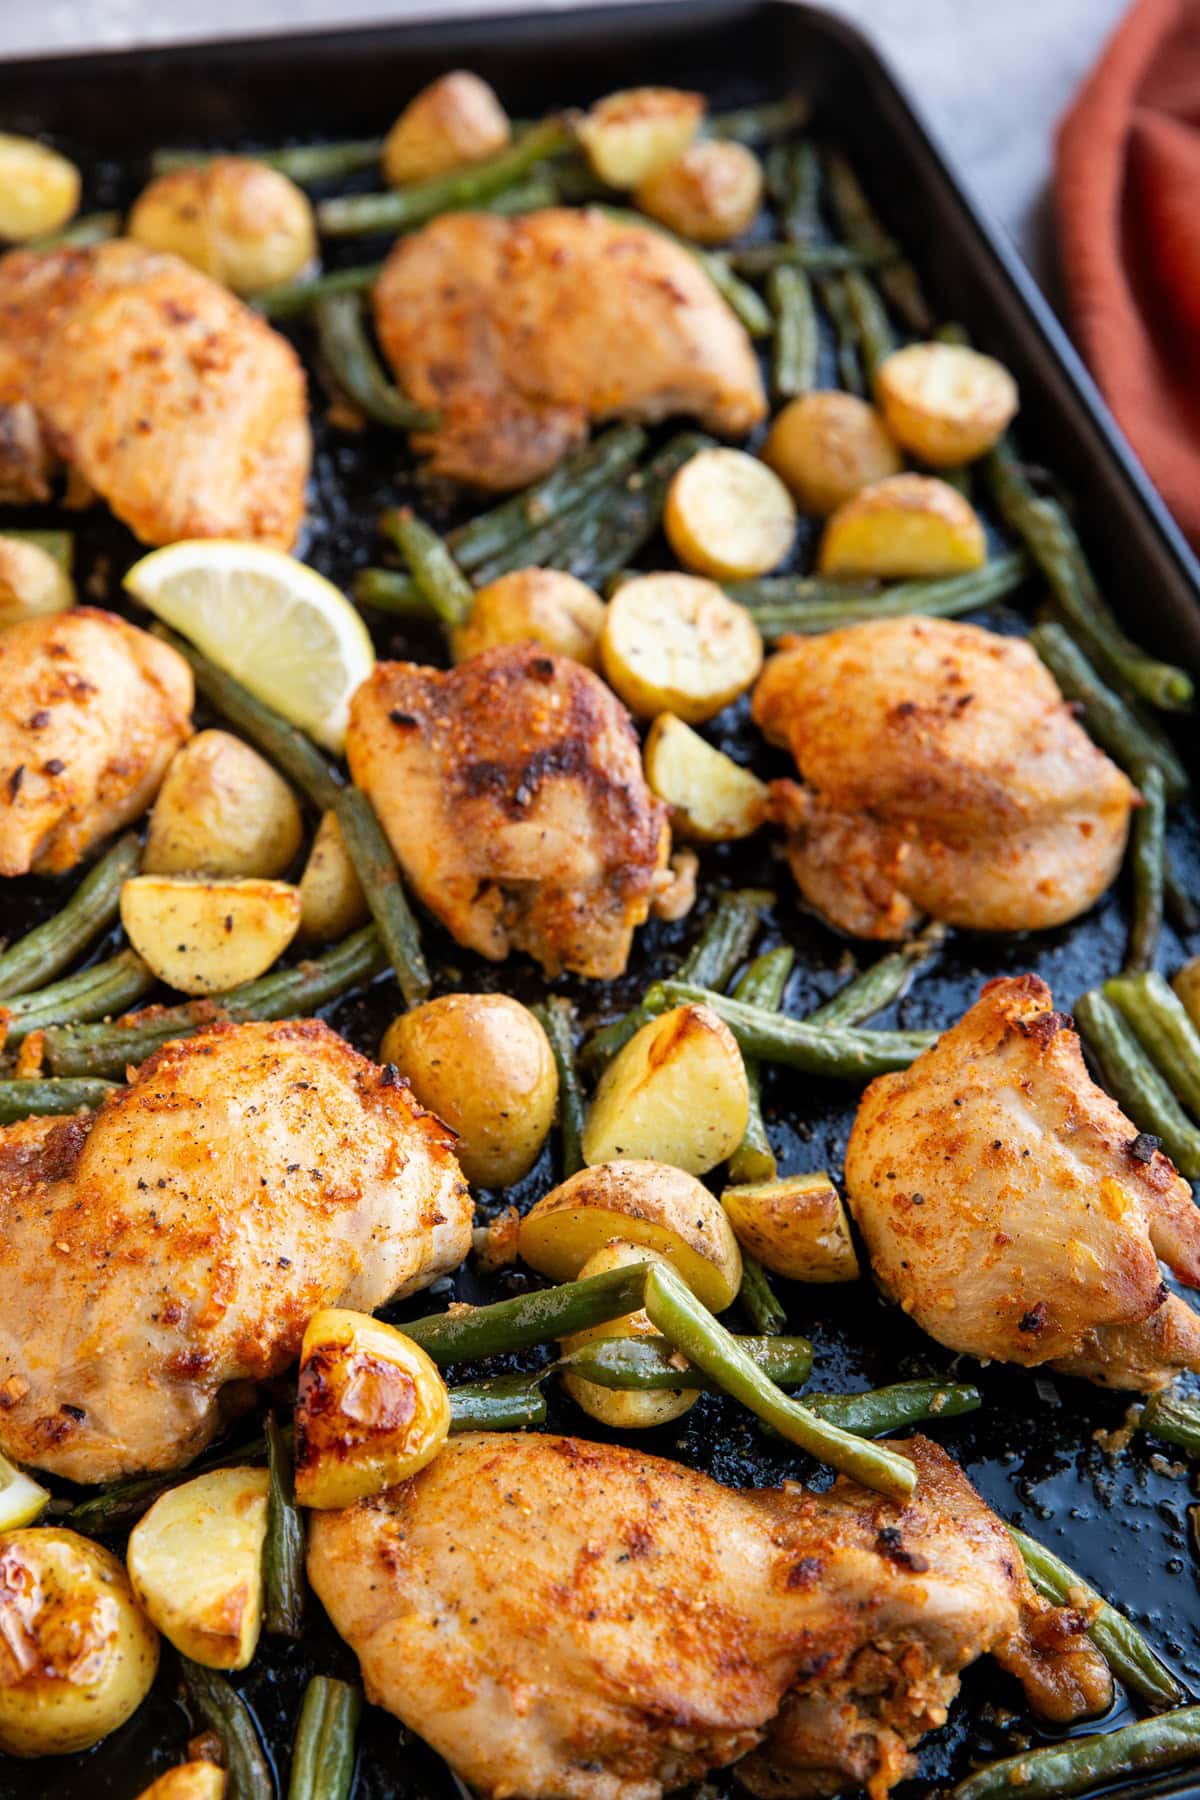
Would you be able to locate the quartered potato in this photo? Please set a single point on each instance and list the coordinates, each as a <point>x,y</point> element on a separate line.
<point>827,446</point>
<point>675,1093</point>
<point>205,936</point>
<point>77,1654</point>
<point>648,1203</point>
<point>195,1561</point>
<point>946,403</point>
<point>796,1227</point>
<point>909,526</point>
<point>676,643</point>
<point>455,120</point>
<point>371,1409</point>
<point>727,515</point>
<point>222,810</point>
<point>624,1409</point>
<point>540,606</point>
<point>39,189</point>
<point>32,582</point>
<point>239,221</point>
<point>711,797</point>
<point>630,135</point>
<point>332,901</point>
<point>710,194</point>
<point>190,1781</point>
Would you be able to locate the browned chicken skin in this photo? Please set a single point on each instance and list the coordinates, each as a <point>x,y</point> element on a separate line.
<point>944,773</point>
<point>173,400</point>
<point>91,712</point>
<point>518,332</point>
<point>584,1622</point>
<point>178,1240</point>
<point>512,791</point>
<point>1013,1210</point>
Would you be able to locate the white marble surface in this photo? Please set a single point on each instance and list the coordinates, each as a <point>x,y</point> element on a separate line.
<point>991,77</point>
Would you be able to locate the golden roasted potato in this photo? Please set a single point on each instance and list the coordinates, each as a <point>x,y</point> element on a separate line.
<point>676,643</point>
<point>195,1561</point>
<point>711,797</point>
<point>332,901</point>
<point>483,1064</point>
<point>238,220</point>
<point>31,582</point>
<point>455,120</point>
<point>77,1654</point>
<point>203,937</point>
<point>1186,982</point>
<point>371,1409</point>
<point>190,1781</point>
<point>675,1093</point>
<point>39,189</point>
<point>827,446</point>
<point>946,403</point>
<point>710,194</point>
<point>624,1409</point>
<point>631,134</point>
<point>222,810</point>
<point>907,527</point>
<point>795,1226</point>
<point>547,606</point>
<point>648,1203</point>
<point>728,516</point>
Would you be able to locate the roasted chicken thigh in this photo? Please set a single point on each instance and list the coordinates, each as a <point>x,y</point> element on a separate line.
<point>1014,1211</point>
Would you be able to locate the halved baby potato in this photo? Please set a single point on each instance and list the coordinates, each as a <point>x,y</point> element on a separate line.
<point>710,194</point>
<point>222,810</point>
<point>32,582</point>
<point>195,1561</point>
<point>675,1093</point>
<point>203,937</point>
<point>371,1409</point>
<point>39,189</point>
<point>796,1227</point>
<point>630,135</point>
<point>239,221</point>
<point>456,120</point>
<point>946,403</point>
<point>711,797</point>
<point>727,515</point>
<point>190,1781</point>
<point>827,446</point>
<point>332,901</point>
<point>907,527</point>
<point>540,606</point>
<point>648,1203</point>
<point>676,643</point>
<point>624,1409</point>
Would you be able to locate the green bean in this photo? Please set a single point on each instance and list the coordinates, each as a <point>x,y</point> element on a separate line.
<point>284,994</point>
<point>1056,549</point>
<point>812,259</point>
<point>121,1504</point>
<point>557,1018</point>
<point>1135,1083</point>
<point>534,1318</point>
<point>1147,852</point>
<point>556,542</point>
<point>776,593</point>
<point>1113,723</point>
<point>323,1754</point>
<point>1174,1420</point>
<point>763,985</point>
<point>391,592</point>
<point>794,185</point>
<point>284,1585</point>
<point>506,1403</point>
<point>347,348</point>
<point>1117,1638</point>
<point>836,1052</point>
<point>885,981</point>
<point>1080,1764</point>
<point>434,569</point>
<point>794,363</point>
<point>762,123</point>
<point>89,228</point>
<point>944,598</point>
<point>876,340</point>
<point>96,993</point>
<point>648,1364</point>
<point>758,1299</point>
<point>895,1408</point>
<point>40,1096</point>
<point>352,215</point>
<point>292,299</point>
<point>45,951</point>
<point>862,231</point>
<point>832,293</point>
<point>58,544</point>
<point>222,1709</point>
<point>379,873</point>
<point>637,512</point>
<point>299,162</point>
<point>679,1316</point>
<point>1166,1033</point>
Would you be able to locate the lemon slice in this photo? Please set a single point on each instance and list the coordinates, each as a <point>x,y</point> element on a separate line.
<point>21,1499</point>
<point>283,630</point>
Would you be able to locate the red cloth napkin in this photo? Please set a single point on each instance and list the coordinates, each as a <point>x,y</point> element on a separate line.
<point>1128,199</point>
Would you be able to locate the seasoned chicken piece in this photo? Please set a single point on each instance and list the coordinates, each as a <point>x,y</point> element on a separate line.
<point>519,331</point>
<point>945,774</point>
<point>91,712</point>
<point>157,1255</point>
<point>1012,1209</point>
<point>580,1621</point>
<point>512,791</point>
<point>173,400</point>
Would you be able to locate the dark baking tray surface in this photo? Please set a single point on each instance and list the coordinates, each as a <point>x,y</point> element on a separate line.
<point>1033,1450</point>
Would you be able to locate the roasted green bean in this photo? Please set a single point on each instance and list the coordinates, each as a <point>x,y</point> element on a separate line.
<point>759,1301</point>
<point>1083,1763</point>
<point>505,1403</point>
<point>794,184</point>
<point>1163,1028</point>
<point>805,605</point>
<point>433,568</point>
<point>45,952</point>
<point>896,1408</point>
<point>876,340</point>
<point>647,1364</point>
<point>40,1094</point>
<point>1174,1420</point>
<point>556,1016</point>
<point>813,259</point>
<point>377,869</point>
<point>284,1586</point>
<point>219,1706</point>
<point>1148,853</point>
<point>324,1752</point>
<point>832,292</point>
<point>887,980</point>
<point>350,355</point>
<point>1129,740</point>
<point>762,123</point>
<point>100,992</point>
<point>837,1052</point>
<point>292,299</point>
<point>1135,1083</point>
<point>299,162</point>
<point>763,985</point>
<point>794,358</point>
<point>534,1318</point>
<point>391,592</point>
<point>862,231</point>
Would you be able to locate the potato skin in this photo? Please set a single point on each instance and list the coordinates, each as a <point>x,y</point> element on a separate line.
<point>946,403</point>
<point>632,133</point>
<point>907,527</point>
<point>675,1093</point>
<point>332,902</point>
<point>710,194</point>
<point>239,221</point>
<point>545,606</point>
<point>795,1226</point>
<point>455,120</point>
<point>39,189</point>
<point>203,935</point>
<point>628,1411</point>
<point>484,1065</point>
<point>90,1653</point>
<point>222,810</point>
<point>826,446</point>
<point>195,1562</point>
